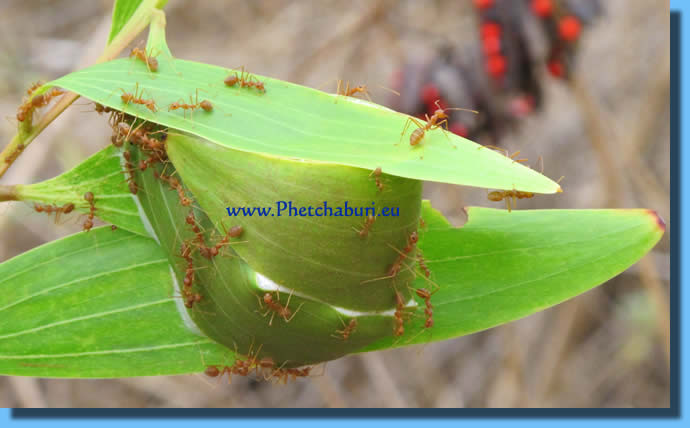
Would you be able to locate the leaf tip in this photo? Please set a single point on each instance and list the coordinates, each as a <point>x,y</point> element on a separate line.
<point>661,224</point>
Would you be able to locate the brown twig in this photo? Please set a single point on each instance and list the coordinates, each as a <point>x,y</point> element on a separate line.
<point>26,135</point>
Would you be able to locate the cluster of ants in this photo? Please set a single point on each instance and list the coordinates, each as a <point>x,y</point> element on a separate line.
<point>393,271</point>
<point>199,243</point>
<point>264,368</point>
<point>26,109</point>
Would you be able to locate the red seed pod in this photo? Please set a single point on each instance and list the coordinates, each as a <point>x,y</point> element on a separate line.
<point>483,4</point>
<point>491,46</point>
<point>556,68</point>
<point>569,28</point>
<point>542,8</point>
<point>490,29</point>
<point>496,66</point>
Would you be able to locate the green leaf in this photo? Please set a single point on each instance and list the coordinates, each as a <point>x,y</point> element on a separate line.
<point>124,11</point>
<point>433,219</point>
<point>297,122</point>
<point>101,174</point>
<point>503,266</point>
<point>97,304</point>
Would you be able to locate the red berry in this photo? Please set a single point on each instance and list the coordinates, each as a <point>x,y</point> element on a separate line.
<point>483,4</point>
<point>496,65</point>
<point>542,8</point>
<point>569,28</point>
<point>491,46</point>
<point>490,29</point>
<point>556,68</point>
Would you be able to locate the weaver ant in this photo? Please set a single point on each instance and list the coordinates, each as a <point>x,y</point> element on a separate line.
<point>129,170</point>
<point>424,294</point>
<point>499,195</point>
<point>245,82</point>
<point>15,154</point>
<point>422,264</point>
<point>368,223</point>
<point>394,269</point>
<point>275,307</point>
<point>437,120</point>
<point>149,60</point>
<point>377,176</point>
<point>398,315</point>
<point>26,109</point>
<point>348,330</point>
<point>193,105</point>
<point>136,99</point>
<point>49,209</point>
<point>88,223</point>
<point>350,92</point>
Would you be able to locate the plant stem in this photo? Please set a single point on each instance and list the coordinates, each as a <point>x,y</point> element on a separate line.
<point>7,193</point>
<point>26,134</point>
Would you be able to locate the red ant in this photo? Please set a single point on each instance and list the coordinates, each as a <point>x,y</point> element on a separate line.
<point>234,232</point>
<point>205,105</point>
<point>399,308</point>
<point>499,195</point>
<point>350,92</point>
<point>394,269</point>
<point>88,223</point>
<point>422,264</point>
<point>26,109</point>
<point>15,154</point>
<point>277,308</point>
<point>129,170</point>
<point>423,293</point>
<point>100,108</point>
<point>348,330</point>
<point>377,174</point>
<point>249,82</point>
<point>242,367</point>
<point>368,223</point>
<point>438,119</point>
<point>133,98</point>
<point>49,209</point>
<point>175,184</point>
<point>33,87</point>
<point>284,374</point>
<point>149,60</point>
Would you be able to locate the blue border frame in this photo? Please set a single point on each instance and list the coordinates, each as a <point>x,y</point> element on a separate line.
<point>442,417</point>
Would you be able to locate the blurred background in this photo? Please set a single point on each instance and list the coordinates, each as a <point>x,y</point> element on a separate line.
<point>583,84</point>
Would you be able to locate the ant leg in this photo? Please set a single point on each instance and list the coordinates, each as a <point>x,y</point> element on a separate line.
<point>294,313</point>
<point>440,125</point>
<point>407,124</point>
<point>517,160</point>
